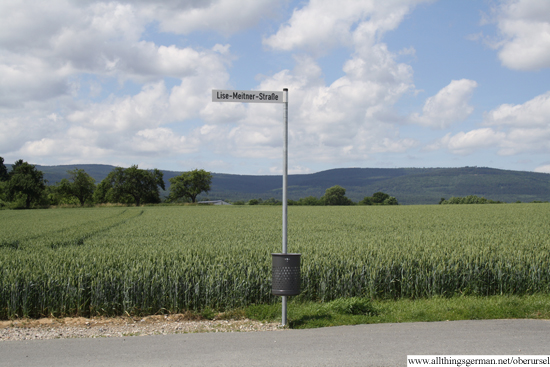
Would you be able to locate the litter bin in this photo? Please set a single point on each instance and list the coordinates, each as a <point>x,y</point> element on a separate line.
<point>285,274</point>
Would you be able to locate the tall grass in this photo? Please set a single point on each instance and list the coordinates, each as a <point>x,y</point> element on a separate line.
<point>112,261</point>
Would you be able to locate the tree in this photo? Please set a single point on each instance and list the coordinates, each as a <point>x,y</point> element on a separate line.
<point>471,199</point>
<point>367,200</point>
<point>309,200</point>
<point>4,176</point>
<point>189,185</point>
<point>130,185</point>
<point>379,197</point>
<point>390,201</point>
<point>81,186</point>
<point>105,191</point>
<point>336,195</point>
<point>272,201</point>
<point>25,183</point>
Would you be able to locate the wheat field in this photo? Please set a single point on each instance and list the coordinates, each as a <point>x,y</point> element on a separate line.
<point>159,259</point>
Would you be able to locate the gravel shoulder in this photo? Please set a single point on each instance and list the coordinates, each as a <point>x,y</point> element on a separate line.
<point>80,327</point>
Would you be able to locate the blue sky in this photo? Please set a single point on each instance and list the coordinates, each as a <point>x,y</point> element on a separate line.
<point>397,83</point>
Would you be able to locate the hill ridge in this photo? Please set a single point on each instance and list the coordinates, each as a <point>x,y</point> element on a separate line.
<point>408,185</point>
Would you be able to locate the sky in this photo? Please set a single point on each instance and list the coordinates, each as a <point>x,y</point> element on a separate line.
<point>382,84</point>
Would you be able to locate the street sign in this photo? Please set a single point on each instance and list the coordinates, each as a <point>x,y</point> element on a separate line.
<point>247,96</point>
<point>252,96</point>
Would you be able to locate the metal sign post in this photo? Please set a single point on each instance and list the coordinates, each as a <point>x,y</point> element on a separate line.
<point>285,187</point>
<point>273,97</point>
<point>285,173</point>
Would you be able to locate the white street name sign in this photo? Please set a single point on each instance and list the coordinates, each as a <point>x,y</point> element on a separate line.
<point>247,96</point>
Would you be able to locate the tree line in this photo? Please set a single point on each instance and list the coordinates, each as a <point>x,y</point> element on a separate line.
<point>473,199</point>
<point>335,195</point>
<point>24,187</point>
<point>470,199</point>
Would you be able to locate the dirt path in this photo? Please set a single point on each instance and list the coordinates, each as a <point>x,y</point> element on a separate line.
<point>80,327</point>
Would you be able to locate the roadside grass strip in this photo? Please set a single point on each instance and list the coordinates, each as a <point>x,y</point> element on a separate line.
<point>354,311</point>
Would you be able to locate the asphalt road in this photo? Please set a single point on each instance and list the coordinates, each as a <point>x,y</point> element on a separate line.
<point>362,345</point>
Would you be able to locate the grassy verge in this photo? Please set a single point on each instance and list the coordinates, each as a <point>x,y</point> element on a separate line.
<point>354,311</point>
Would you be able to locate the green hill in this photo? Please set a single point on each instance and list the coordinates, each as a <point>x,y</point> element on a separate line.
<point>408,185</point>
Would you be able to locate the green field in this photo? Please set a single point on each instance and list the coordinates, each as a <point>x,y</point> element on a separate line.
<point>128,260</point>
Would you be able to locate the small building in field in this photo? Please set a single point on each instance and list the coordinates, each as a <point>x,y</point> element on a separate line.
<point>214,202</point>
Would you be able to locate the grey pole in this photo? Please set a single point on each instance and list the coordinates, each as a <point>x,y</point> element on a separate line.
<point>285,186</point>
<point>285,169</point>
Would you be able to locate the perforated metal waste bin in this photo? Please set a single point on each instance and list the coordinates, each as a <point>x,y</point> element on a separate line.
<point>285,274</point>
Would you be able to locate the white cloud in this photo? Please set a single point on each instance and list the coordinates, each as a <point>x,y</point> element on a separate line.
<point>65,149</point>
<point>45,47</point>
<point>323,24</point>
<point>514,129</point>
<point>526,140</point>
<point>527,125</point>
<point>42,147</point>
<point>525,27</point>
<point>111,131</point>
<point>294,170</point>
<point>533,113</point>
<point>147,108</point>
<point>448,106</point>
<point>347,120</point>
<point>24,79</point>
<point>161,141</point>
<point>25,25</point>
<point>48,51</point>
<point>225,16</point>
<point>543,169</point>
<point>467,143</point>
<point>387,145</point>
<point>507,143</point>
<point>193,96</point>
<point>18,127</point>
<point>74,45</point>
<point>330,123</point>
<point>106,45</point>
